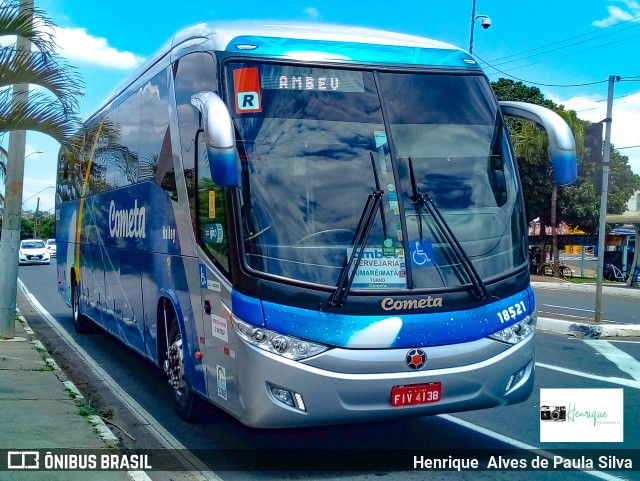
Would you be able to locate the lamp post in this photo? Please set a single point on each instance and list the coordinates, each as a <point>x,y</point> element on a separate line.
<point>486,23</point>
<point>37,193</point>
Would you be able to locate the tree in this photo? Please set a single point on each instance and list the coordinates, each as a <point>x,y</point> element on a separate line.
<point>579,204</point>
<point>52,110</point>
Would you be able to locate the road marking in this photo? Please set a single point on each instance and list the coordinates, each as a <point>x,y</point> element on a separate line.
<point>518,444</point>
<point>201,472</point>
<point>569,308</point>
<point>613,380</point>
<point>623,361</point>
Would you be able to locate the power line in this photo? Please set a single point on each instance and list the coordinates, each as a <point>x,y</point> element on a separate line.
<point>604,100</point>
<point>572,53</point>
<point>538,83</point>
<point>566,39</point>
<point>572,45</point>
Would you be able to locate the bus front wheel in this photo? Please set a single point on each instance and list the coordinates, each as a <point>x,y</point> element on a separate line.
<point>81,323</point>
<point>183,397</point>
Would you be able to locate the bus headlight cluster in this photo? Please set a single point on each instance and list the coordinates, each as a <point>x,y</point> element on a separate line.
<point>518,331</point>
<point>271,341</point>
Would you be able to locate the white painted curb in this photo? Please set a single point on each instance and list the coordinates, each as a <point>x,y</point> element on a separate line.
<point>592,331</point>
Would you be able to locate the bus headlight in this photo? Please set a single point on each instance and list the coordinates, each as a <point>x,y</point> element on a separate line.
<point>286,346</point>
<point>518,331</point>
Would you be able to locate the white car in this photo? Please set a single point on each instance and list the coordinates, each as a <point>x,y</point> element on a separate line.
<point>51,247</point>
<point>33,251</point>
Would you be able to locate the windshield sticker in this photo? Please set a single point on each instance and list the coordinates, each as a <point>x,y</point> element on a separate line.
<point>388,247</point>
<point>246,82</point>
<point>214,233</point>
<point>212,204</point>
<point>282,77</point>
<point>421,253</point>
<point>376,271</point>
<point>381,138</point>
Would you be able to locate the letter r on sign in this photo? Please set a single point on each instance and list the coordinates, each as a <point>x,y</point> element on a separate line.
<point>248,102</point>
<point>246,84</point>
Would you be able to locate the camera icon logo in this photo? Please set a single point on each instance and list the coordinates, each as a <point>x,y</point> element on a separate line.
<point>553,413</point>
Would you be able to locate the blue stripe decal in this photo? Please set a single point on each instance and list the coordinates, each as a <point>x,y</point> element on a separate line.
<point>247,308</point>
<point>394,330</point>
<point>352,52</point>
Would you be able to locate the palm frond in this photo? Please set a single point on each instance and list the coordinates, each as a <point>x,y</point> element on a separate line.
<point>40,113</point>
<point>30,23</point>
<point>45,70</point>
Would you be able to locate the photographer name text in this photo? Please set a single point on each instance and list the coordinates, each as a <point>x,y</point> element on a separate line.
<point>452,463</point>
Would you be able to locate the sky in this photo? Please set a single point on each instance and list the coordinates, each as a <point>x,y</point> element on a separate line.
<point>566,48</point>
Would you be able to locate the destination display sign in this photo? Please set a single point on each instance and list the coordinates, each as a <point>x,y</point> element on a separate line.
<point>283,77</point>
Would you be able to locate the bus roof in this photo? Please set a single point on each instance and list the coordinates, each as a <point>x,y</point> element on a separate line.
<point>306,42</point>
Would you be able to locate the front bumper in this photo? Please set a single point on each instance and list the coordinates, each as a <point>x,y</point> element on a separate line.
<point>334,397</point>
<point>23,260</point>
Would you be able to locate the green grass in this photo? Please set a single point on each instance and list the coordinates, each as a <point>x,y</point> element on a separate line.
<point>591,280</point>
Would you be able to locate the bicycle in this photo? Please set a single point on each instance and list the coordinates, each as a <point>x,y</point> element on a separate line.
<point>612,273</point>
<point>547,270</point>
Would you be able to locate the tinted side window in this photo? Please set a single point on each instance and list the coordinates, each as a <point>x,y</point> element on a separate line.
<point>125,153</point>
<point>108,157</point>
<point>194,73</point>
<point>156,156</point>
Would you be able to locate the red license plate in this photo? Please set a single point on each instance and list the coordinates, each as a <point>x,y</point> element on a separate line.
<point>416,394</point>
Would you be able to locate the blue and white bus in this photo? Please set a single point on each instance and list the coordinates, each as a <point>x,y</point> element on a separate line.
<point>307,224</point>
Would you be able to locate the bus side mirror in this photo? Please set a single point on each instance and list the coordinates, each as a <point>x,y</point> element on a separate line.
<point>220,138</point>
<point>562,145</point>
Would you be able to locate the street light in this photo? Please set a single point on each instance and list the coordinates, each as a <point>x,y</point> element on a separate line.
<point>485,22</point>
<point>49,187</point>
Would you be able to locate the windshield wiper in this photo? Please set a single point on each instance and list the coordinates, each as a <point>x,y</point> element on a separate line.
<point>348,272</point>
<point>424,200</point>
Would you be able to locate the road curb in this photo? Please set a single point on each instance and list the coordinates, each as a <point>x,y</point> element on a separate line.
<point>586,330</point>
<point>106,434</point>
<point>588,288</point>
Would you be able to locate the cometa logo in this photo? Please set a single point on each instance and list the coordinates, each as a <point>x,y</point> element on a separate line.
<point>127,222</point>
<point>390,304</point>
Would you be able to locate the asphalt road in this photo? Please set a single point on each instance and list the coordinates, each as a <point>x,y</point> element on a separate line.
<point>552,302</point>
<point>561,363</point>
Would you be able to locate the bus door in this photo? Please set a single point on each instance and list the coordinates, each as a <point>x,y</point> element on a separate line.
<point>215,287</point>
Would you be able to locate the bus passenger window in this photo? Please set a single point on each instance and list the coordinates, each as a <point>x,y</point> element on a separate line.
<point>156,156</point>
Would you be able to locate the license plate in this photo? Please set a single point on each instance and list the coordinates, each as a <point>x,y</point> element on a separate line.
<point>416,394</point>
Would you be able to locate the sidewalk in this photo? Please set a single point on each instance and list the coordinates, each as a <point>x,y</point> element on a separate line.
<point>40,409</point>
<point>586,328</point>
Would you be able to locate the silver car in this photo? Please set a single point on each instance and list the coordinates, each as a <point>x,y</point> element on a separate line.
<point>33,251</point>
<point>51,247</point>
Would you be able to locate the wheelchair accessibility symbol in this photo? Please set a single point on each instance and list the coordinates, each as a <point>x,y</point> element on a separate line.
<point>421,253</point>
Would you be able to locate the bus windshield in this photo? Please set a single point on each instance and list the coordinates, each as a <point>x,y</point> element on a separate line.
<point>312,143</point>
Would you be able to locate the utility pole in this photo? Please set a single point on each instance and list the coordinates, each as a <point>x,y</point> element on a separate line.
<point>603,198</point>
<point>13,207</point>
<point>35,220</point>
<point>473,23</point>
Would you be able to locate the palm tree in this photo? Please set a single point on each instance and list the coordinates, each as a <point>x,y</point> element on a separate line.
<point>3,169</point>
<point>53,110</point>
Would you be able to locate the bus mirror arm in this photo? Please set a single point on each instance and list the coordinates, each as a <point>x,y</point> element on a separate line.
<point>562,145</point>
<point>220,138</point>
